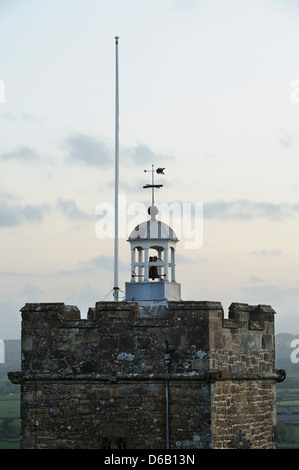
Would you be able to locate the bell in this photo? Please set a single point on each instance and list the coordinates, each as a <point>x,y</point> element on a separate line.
<point>153,270</point>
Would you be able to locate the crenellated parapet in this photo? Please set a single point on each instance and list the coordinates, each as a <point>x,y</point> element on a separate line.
<point>116,338</point>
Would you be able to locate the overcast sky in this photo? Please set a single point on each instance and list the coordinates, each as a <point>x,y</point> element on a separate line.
<point>209,89</point>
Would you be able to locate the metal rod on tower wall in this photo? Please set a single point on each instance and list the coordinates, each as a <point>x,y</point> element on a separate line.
<point>116,288</point>
<point>167,411</point>
<point>168,351</point>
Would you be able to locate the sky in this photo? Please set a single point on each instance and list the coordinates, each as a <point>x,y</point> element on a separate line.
<point>208,89</point>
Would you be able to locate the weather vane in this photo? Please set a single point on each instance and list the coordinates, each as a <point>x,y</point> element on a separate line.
<point>153,185</point>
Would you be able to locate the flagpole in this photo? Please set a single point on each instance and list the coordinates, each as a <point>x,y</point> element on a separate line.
<point>116,287</point>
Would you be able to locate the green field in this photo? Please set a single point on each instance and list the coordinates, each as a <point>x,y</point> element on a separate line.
<point>10,421</point>
<point>10,406</point>
<point>10,444</point>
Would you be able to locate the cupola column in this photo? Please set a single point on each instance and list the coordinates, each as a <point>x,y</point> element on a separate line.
<point>140,267</point>
<point>160,251</point>
<point>145,277</point>
<point>166,264</point>
<point>133,264</point>
<point>172,264</point>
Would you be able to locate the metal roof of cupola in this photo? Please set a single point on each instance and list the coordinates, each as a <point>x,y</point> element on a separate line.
<point>153,246</point>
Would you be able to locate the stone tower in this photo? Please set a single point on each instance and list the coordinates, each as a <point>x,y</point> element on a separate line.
<point>186,378</point>
<point>151,372</point>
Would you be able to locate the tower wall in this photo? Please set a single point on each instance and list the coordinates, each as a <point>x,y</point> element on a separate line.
<point>120,379</point>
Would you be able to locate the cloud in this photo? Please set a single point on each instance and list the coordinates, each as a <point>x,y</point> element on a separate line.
<point>243,209</point>
<point>24,116</point>
<point>70,209</point>
<point>27,155</point>
<point>142,154</point>
<point>185,6</point>
<point>85,268</point>
<point>270,294</point>
<point>181,259</point>
<point>12,215</point>
<point>125,186</point>
<point>286,141</point>
<point>14,274</point>
<point>6,196</point>
<point>80,148</point>
<point>104,262</point>
<point>23,153</point>
<point>255,279</point>
<point>86,149</point>
<point>85,299</point>
<point>31,293</point>
<point>266,253</point>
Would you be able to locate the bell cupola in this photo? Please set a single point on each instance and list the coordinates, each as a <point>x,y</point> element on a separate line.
<point>153,245</point>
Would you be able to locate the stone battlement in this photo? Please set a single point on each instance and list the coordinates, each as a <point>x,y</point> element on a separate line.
<point>239,313</point>
<point>115,339</point>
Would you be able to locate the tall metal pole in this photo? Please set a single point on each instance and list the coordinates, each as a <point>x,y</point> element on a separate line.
<point>116,287</point>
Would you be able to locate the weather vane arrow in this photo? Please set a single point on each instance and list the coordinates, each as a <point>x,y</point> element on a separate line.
<point>159,171</point>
